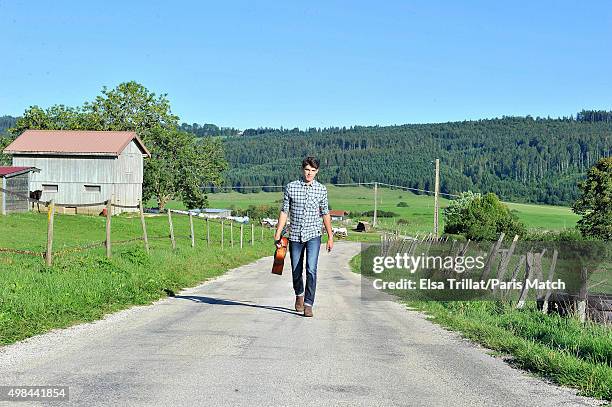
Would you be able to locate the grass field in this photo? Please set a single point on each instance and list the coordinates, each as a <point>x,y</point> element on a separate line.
<point>418,213</point>
<point>84,286</point>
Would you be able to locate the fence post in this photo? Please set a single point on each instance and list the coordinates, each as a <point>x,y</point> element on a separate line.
<point>232,233</point>
<point>581,307</point>
<point>529,260</point>
<point>144,227</point>
<point>191,228</point>
<point>207,233</point>
<point>109,208</point>
<point>171,229</point>
<point>241,230</point>
<point>551,273</point>
<point>222,232</point>
<point>492,255</point>
<point>252,234</point>
<point>50,218</point>
<point>503,266</point>
<point>539,275</point>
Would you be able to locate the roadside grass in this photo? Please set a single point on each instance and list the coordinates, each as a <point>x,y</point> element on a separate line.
<point>561,349</point>
<point>84,286</point>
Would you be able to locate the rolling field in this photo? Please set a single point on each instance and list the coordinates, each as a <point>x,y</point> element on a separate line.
<point>417,215</point>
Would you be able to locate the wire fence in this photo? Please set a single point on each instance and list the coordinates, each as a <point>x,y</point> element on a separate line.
<point>144,237</point>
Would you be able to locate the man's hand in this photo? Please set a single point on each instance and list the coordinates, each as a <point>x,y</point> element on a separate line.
<point>330,243</point>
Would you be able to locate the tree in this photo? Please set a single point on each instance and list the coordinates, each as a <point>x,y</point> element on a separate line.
<point>484,218</point>
<point>178,167</point>
<point>595,202</point>
<point>4,158</point>
<point>130,107</point>
<point>453,212</point>
<point>56,117</point>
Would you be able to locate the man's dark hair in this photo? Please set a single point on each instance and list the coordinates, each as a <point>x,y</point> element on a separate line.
<point>312,161</point>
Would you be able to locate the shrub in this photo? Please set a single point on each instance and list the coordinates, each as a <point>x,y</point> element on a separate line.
<point>482,218</point>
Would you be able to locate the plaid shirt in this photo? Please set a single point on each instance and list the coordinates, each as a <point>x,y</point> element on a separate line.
<point>305,205</point>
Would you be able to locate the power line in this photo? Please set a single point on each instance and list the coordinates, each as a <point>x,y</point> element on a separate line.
<point>340,185</point>
<point>418,190</point>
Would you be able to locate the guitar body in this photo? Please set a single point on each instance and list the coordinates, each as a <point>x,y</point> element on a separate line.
<point>279,257</point>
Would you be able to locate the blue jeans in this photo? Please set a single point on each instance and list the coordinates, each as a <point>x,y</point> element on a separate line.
<point>297,249</point>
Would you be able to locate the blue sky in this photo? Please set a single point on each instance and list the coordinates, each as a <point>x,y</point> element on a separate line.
<point>313,64</point>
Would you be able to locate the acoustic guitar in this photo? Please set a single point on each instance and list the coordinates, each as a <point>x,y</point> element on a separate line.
<point>279,256</point>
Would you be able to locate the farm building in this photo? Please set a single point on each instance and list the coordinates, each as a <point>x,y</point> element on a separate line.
<point>337,215</point>
<point>15,179</point>
<point>82,167</point>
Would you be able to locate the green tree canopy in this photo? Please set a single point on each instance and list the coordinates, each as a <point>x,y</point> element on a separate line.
<point>179,165</point>
<point>130,107</point>
<point>482,217</point>
<point>595,202</point>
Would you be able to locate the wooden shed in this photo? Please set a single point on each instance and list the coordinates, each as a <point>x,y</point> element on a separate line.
<point>83,167</point>
<point>17,180</point>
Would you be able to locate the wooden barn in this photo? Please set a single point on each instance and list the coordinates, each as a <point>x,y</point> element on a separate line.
<point>15,179</point>
<point>338,215</point>
<point>81,167</point>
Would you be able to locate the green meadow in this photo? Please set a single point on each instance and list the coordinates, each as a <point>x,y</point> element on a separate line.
<point>416,216</point>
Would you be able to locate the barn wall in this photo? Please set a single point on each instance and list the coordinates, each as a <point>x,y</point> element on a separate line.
<point>19,184</point>
<point>129,165</point>
<point>119,176</point>
<point>79,169</point>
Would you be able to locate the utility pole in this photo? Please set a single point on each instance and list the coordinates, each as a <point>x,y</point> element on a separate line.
<point>375,202</point>
<point>436,200</point>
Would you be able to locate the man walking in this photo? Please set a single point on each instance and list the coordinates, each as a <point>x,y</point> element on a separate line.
<point>305,202</point>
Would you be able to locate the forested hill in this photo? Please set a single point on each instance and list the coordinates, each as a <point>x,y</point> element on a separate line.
<point>519,158</point>
<point>6,122</point>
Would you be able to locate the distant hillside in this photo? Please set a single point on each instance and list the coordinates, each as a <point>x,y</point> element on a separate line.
<point>6,122</point>
<point>520,158</point>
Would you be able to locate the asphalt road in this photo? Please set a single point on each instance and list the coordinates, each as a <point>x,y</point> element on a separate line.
<point>236,341</point>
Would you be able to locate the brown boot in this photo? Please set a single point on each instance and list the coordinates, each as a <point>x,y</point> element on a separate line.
<point>299,303</point>
<point>307,311</point>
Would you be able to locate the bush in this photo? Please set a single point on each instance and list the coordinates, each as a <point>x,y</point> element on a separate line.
<point>481,218</point>
<point>402,204</point>
<point>257,212</point>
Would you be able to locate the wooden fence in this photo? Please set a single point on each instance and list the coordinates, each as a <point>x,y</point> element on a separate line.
<point>108,243</point>
<point>585,304</point>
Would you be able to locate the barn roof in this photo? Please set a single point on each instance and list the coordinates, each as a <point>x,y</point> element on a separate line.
<point>337,212</point>
<point>4,171</point>
<point>74,142</point>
